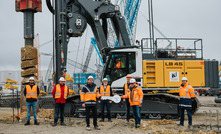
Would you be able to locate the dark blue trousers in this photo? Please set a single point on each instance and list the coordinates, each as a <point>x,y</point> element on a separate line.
<point>128,109</point>
<point>107,104</point>
<point>136,113</point>
<point>189,114</point>
<point>59,108</point>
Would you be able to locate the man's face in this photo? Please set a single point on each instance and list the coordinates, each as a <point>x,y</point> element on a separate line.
<point>62,82</point>
<point>31,82</point>
<point>105,82</point>
<point>128,80</point>
<point>184,82</point>
<point>89,81</point>
<point>132,84</point>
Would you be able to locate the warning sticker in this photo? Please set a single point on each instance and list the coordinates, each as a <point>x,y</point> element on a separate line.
<point>174,76</point>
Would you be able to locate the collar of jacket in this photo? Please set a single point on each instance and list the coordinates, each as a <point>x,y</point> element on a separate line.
<point>135,87</point>
<point>186,84</point>
<point>92,85</point>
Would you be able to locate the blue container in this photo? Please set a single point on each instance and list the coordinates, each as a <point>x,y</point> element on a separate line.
<point>81,78</point>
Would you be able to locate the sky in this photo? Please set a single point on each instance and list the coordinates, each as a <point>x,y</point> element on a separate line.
<point>174,18</point>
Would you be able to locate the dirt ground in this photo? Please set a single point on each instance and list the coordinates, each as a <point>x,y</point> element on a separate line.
<point>77,125</point>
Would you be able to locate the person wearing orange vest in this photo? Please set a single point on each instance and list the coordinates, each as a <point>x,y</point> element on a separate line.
<point>89,95</point>
<point>60,94</point>
<point>118,66</point>
<point>105,90</point>
<point>125,91</point>
<point>135,96</point>
<point>187,94</point>
<point>31,93</point>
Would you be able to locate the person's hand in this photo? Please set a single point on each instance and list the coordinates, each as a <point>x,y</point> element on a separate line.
<point>83,105</point>
<point>110,101</point>
<point>124,100</point>
<point>99,101</point>
<point>140,105</point>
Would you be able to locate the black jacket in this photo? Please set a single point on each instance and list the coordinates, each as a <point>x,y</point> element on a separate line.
<point>91,88</point>
<point>31,99</point>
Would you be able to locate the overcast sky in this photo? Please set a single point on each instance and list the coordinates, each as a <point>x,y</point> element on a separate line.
<point>175,18</point>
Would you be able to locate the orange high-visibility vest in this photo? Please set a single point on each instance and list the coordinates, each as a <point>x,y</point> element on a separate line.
<point>106,92</point>
<point>187,91</point>
<point>58,91</point>
<point>126,90</point>
<point>119,64</point>
<point>137,97</point>
<point>89,96</point>
<point>31,92</point>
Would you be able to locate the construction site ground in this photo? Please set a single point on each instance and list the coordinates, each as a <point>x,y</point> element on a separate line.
<point>201,120</point>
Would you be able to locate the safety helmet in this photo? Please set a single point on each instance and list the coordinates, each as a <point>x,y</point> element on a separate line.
<point>128,76</point>
<point>62,79</point>
<point>184,78</point>
<point>31,78</point>
<point>132,80</point>
<point>90,77</point>
<point>105,79</point>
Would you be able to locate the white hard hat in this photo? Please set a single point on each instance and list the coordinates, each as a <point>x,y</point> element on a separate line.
<point>105,79</point>
<point>62,79</point>
<point>132,80</point>
<point>31,78</point>
<point>90,77</point>
<point>184,78</point>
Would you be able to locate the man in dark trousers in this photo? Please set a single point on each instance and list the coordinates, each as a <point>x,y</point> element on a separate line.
<point>89,95</point>
<point>187,95</point>
<point>105,90</point>
<point>60,94</point>
<point>31,93</point>
<point>125,91</point>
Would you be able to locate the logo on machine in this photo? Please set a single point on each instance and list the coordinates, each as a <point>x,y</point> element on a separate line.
<point>173,63</point>
<point>174,76</point>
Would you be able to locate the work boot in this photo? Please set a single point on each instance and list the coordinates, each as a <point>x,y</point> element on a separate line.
<point>96,128</point>
<point>190,126</point>
<point>27,123</point>
<point>88,128</point>
<point>102,120</point>
<point>138,125</point>
<point>36,122</point>
<point>110,120</point>
<point>180,125</point>
<point>54,124</point>
<point>63,124</point>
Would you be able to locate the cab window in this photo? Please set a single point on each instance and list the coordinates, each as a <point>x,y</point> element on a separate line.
<point>119,65</point>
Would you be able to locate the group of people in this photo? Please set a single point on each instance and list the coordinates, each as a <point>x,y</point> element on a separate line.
<point>133,95</point>
<point>90,94</point>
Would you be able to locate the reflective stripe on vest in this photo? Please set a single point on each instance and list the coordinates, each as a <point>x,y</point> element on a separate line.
<point>184,93</point>
<point>58,92</point>
<point>105,92</point>
<point>31,92</point>
<point>126,89</point>
<point>187,90</point>
<point>135,99</point>
<point>89,96</point>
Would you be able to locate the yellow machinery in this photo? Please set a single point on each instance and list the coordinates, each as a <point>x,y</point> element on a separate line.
<point>159,71</point>
<point>69,83</point>
<point>9,83</point>
<point>168,73</point>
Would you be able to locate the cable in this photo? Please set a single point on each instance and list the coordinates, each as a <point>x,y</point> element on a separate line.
<point>49,5</point>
